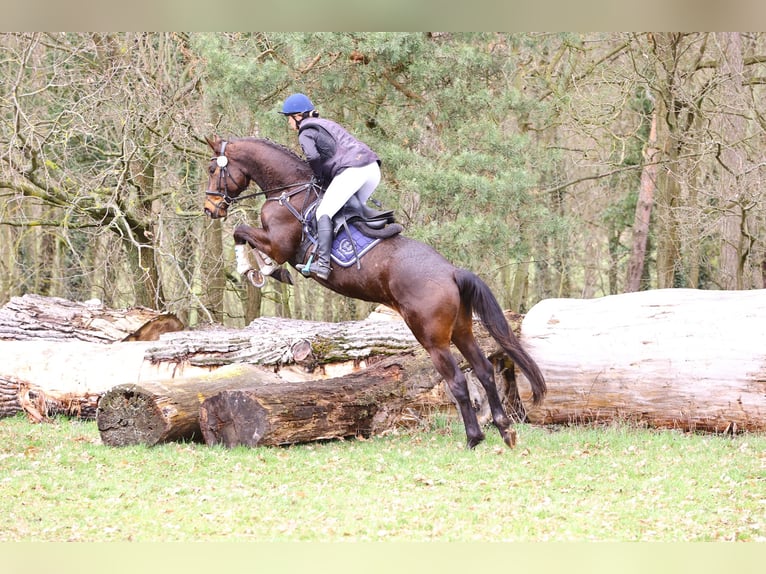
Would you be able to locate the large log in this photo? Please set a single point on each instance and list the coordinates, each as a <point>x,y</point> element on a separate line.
<point>275,341</point>
<point>328,364</point>
<point>36,317</point>
<point>69,377</point>
<point>155,412</point>
<point>671,358</point>
<point>262,414</point>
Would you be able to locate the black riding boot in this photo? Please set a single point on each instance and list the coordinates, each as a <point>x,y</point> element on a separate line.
<point>320,264</point>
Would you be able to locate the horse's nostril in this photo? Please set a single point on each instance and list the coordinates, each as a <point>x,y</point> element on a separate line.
<point>216,213</point>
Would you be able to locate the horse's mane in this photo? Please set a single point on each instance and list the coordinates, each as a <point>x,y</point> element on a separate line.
<point>277,146</point>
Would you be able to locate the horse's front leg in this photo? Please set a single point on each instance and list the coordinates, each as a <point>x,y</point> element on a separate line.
<point>267,259</point>
<point>255,237</point>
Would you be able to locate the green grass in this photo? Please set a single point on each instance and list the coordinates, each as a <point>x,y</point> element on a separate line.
<point>615,483</point>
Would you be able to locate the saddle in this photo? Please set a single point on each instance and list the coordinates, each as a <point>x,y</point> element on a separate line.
<point>357,229</point>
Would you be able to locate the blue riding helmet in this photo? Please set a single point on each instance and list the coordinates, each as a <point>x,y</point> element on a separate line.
<point>297,104</point>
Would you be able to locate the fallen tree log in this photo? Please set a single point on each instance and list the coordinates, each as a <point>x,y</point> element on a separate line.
<point>69,377</point>
<point>34,317</point>
<point>20,396</point>
<point>262,414</point>
<point>155,412</point>
<point>216,406</point>
<point>273,341</point>
<point>671,358</point>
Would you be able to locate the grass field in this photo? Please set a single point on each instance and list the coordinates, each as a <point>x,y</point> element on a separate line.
<point>606,483</point>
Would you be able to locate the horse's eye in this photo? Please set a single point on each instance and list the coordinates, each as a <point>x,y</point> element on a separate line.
<point>212,169</point>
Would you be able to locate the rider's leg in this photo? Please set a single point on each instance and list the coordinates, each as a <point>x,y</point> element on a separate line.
<point>361,181</point>
<point>320,262</point>
<point>366,191</point>
<point>340,190</point>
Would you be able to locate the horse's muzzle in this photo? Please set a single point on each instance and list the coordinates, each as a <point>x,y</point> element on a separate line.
<point>215,209</point>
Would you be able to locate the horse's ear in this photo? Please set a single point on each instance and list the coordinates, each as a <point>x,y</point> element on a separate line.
<point>214,143</point>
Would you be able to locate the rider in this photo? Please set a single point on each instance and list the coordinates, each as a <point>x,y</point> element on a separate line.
<point>340,161</point>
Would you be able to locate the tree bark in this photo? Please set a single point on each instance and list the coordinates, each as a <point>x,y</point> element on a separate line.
<point>643,210</point>
<point>155,412</point>
<point>732,131</point>
<point>36,317</point>
<point>672,358</point>
<point>263,414</point>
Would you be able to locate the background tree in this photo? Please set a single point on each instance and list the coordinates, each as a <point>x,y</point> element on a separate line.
<point>88,122</point>
<point>519,156</point>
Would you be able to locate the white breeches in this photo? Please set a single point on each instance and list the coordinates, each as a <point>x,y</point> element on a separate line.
<point>361,181</point>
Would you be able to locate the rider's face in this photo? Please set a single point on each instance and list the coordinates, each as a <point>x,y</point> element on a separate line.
<point>292,121</point>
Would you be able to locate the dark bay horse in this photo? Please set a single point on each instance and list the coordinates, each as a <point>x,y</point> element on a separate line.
<point>435,298</point>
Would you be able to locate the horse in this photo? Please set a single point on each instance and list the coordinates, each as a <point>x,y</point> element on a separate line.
<point>436,299</point>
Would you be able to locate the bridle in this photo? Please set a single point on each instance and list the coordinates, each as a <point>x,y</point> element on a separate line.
<point>223,174</point>
<point>222,191</point>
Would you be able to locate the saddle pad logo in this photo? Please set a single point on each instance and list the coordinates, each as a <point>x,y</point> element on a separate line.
<point>346,248</point>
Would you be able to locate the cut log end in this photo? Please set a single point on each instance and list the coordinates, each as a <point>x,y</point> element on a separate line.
<point>128,415</point>
<point>231,418</point>
<point>289,413</point>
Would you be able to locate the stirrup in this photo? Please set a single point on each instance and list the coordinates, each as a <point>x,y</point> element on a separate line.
<point>319,270</point>
<point>305,269</point>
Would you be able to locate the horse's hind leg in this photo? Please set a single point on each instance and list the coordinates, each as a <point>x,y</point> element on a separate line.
<point>484,371</point>
<point>448,368</point>
<point>432,319</point>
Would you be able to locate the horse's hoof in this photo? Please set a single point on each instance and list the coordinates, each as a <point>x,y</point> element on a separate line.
<point>509,437</point>
<point>256,278</point>
<point>473,441</point>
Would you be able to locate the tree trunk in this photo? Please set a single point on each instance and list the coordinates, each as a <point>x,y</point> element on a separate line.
<point>214,267</point>
<point>35,317</point>
<point>671,141</point>
<point>70,376</point>
<point>155,412</point>
<point>358,404</point>
<point>666,207</point>
<point>732,131</point>
<point>643,210</point>
<point>673,358</point>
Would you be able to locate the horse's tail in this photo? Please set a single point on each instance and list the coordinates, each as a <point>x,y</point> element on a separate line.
<point>478,297</point>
